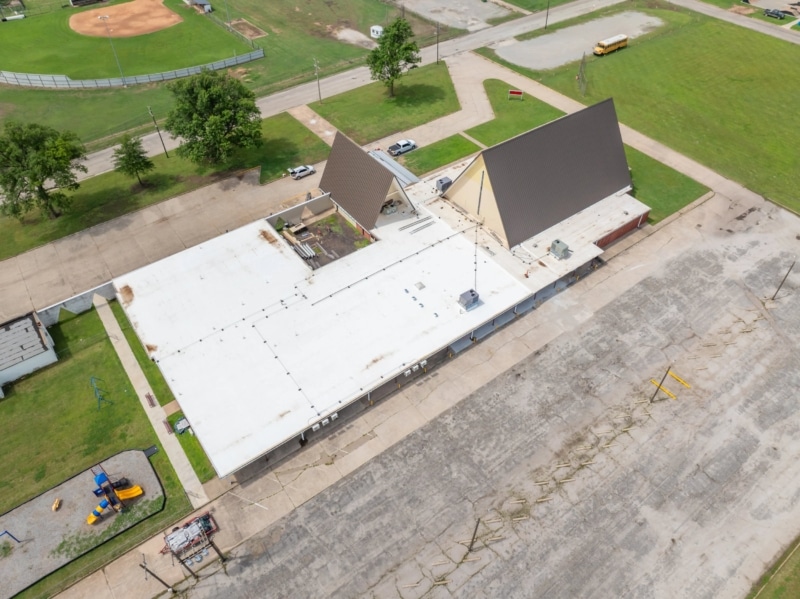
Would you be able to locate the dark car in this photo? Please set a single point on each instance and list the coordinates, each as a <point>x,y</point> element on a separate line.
<point>774,13</point>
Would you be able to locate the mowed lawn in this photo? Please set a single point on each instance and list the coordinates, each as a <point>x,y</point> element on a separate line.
<point>104,197</point>
<point>685,87</point>
<point>292,43</point>
<point>46,44</point>
<point>368,113</point>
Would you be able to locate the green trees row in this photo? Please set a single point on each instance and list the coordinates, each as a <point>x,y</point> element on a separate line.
<point>214,115</point>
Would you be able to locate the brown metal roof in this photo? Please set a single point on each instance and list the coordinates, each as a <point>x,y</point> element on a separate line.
<point>356,181</point>
<point>550,173</point>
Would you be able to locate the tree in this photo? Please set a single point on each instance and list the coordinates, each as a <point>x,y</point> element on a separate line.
<point>31,157</point>
<point>130,158</point>
<point>396,53</point>
<point>214,114</point>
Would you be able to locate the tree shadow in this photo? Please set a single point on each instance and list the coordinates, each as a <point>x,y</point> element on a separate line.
<point>417,94</point>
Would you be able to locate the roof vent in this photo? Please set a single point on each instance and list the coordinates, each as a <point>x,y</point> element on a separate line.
<point>469,299</point>
<point>559,249</point>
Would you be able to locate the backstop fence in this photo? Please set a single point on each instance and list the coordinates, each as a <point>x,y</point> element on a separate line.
<point>64,82</point>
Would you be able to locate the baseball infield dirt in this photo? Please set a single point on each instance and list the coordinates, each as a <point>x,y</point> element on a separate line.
<point>125,20</point>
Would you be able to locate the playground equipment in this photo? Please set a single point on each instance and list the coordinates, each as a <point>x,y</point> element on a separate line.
<point>113,494</point>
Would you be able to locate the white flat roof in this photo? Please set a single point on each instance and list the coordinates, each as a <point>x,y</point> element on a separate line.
<point>257,347</point>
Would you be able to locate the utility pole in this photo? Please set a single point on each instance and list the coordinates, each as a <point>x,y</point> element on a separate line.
<point>547,14</point>
<point>227,14</point>
<point>437,42</point>
<point>316,72</point>
<point>104,18</point>
<point>163,145</point>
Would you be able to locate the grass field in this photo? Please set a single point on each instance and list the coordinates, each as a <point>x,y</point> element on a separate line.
<point>60,50</point>
<point>96,116</point>
<point>681,86</point>
<point>99,199</point>
<point>512,117</point>
<point>438,154</point>
<point>194,451</point>
<point>367,113</point>
<point>537,5</point>
<point>663,189</point>
<point>53,429</point>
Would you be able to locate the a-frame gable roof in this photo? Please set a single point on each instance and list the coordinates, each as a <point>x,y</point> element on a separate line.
<point>550,173</point>
<point>356,181</point>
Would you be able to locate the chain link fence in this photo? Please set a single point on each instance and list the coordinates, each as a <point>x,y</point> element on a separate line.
<point>64,82</point>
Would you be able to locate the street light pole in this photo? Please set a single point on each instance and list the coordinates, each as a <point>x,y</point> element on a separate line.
<point>437,42</point>
<point>547,14</point>
<point>227,13</point>
<point>316,72</point>
<point>104,18</point>
<point>163,145</point>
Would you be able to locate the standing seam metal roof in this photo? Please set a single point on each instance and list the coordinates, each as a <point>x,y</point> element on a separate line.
<point>356,181</point>
<point>544,176</point>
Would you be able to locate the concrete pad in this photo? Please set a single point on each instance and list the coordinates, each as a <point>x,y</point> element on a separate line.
<point>15,299</point>
<point>311,482</point>
<point>121,254</point>
<point>81,262</point>
<point>348,462</point>
<point>400,425</point>
<point>161,241</point>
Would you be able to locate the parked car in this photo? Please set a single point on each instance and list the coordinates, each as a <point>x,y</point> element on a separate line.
<point>402,146</point>
<point>774,13</point>
<point>299,172</point>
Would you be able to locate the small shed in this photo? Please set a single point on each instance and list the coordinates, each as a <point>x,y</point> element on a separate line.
<point>25,346</point>
<point>205,5</point>
<point>375,31</point>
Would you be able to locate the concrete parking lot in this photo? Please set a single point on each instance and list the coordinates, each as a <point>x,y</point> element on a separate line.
<point>583,488</point>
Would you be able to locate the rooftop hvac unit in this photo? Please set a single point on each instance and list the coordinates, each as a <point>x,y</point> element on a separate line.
<point>559,249</point>
<point>443,184</point>
<point>468,299</point>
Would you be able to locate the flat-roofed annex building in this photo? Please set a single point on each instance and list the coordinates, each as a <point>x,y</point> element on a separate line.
<point>269,331</point>
<point>25,346</point>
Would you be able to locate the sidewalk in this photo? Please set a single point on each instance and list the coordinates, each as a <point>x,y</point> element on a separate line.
<point>156,415</point>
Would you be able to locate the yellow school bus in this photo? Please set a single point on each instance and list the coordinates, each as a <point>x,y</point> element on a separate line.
<point>611,44</point>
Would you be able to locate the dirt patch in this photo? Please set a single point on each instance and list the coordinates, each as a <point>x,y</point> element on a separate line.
<point>126,294</point>
<point>267,236</point>
<point>356,38</point>
<point>240,73</point>
<point>247,29</point>
<point>742,10</point>
<point>150,347</point>
<point>125,20</point>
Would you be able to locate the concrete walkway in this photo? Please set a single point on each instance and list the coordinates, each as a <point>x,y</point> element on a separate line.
<point>156,415</point>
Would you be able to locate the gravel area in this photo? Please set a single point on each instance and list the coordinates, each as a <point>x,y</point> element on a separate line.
<point>471,15</point>
<point>570,44</point>
<point>50,540</point>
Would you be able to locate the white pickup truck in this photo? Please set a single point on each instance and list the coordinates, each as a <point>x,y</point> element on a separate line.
<point>402,146</point>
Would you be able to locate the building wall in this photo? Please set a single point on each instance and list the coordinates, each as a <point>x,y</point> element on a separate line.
<point>624,229</point>
<point>465,191</point>
<point>17,371</point>
<point>76,304</point>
